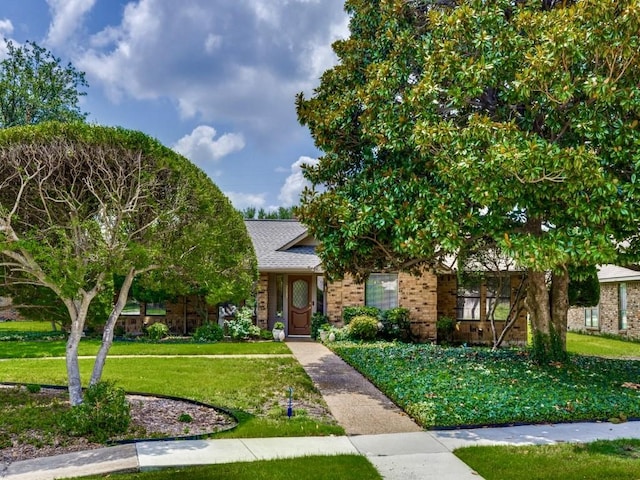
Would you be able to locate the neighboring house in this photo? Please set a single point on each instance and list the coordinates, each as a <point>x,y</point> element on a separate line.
<point>619,309</point>
<point>292,288</point>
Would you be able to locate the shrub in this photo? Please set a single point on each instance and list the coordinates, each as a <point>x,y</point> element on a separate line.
<point>363,327</point>
<point>241,326</point>
<point>445,327</point>
<point>157,330</point>
<point>317,321</point>
<point>348,313</point>
<point>396,324</point>
<point>185,418</point>
<point>33,388</point>
<point>104,413</point>
<point>209,332</point>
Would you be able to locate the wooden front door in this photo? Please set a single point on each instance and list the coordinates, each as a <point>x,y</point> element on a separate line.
<point>300,304</point>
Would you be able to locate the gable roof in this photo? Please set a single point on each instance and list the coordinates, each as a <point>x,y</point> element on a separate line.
<point>615,273</point>
<point>283,246</point>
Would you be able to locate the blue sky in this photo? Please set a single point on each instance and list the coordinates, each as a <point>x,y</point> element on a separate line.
<point>213,79</point>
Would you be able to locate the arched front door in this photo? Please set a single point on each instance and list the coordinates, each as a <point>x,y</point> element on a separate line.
<point>300,304</point>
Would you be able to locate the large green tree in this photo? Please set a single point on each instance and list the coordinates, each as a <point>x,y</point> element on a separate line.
<point>81,204</point>
<point>514,123</point>
<point>36,87</point>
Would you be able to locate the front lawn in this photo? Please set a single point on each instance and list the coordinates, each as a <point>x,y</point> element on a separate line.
<point>602,346</point>
<point>449,387</point>
<point>617,459</point>
<point>345,467</point>
<point>256,389</point>
<point>89,347</point>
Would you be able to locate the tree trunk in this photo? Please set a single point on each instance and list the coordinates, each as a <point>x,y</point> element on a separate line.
<point>560,305</point>
<point>548,315</point>
<point>107,334</point>
<point>78,313</point>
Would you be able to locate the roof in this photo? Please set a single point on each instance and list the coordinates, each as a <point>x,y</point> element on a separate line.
<point>283,246</point>
<point>615,273</point>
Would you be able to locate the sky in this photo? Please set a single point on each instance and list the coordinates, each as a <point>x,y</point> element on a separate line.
<point>213,79</point>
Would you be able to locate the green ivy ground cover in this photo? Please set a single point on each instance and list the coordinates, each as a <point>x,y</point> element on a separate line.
<point>447,387</point>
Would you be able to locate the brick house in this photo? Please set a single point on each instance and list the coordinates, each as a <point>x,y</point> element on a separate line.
<point>292,288</point>
<point>619,309</point>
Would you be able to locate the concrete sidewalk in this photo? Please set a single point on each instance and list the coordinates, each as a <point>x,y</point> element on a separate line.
<point>397,456</point>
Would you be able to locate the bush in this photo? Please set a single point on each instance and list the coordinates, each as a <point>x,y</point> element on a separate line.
<point>317,321</point>
<point>104,413</point>
<point>396,324</point>
<point>348,313</point>
<point>241,326</point>
<point>445,327</point>
<point>157,331</point>
<point>209,332</point>
<point>363,327</point>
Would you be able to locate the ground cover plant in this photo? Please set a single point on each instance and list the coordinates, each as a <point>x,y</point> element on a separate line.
<point>447,387</point>
<point>619,459</point>
<point>310,468</point>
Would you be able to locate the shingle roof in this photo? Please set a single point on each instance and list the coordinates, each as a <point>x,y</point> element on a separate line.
<point>614,273</point>
<point>275,243</point>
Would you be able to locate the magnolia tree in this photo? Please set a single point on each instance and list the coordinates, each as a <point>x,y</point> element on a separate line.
<point>80,205</point>
<point>512,122</point>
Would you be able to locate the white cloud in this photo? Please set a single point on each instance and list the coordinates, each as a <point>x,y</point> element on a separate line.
<point>240,62</point>
<point>67,17</point>
<point>295,183</point>
<point>244,200</point>
<point>6,27</point>
<point>202,147</point>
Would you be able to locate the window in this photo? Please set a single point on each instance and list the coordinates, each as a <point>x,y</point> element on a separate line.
<point>279,295</point>
<point>622,306</point>
<point>319,294</point>
<point>591,317</point>
<point>132,307</point>
<point>155,309</point>
<point>468,302</point>
<point>381,291</point>
<point>498,295</point>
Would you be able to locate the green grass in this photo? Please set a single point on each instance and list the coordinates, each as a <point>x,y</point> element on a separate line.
<point>605,347</point>
<point>618,459</point>
<point>443,387</point>
<point>89,347</point>
<point>24,326</point>
<point>309,468</point>
<point>256,388</point>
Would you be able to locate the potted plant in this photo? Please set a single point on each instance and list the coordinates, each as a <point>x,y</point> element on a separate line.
<point>324,332</point>
<point>278,331</point>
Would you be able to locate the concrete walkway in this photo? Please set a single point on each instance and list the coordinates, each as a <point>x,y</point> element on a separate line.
<point>358,406</point>
<point>375,427</point>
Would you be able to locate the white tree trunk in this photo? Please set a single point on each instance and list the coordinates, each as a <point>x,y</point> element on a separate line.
<point>78,314</point>
<point>107,334</point>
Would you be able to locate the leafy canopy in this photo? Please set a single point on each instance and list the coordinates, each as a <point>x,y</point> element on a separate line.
<point>448,122</point>
<point>35,87</point>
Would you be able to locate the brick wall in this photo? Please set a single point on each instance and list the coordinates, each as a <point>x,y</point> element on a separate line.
<point>262,301</point>
<point>419,294</point>
<point>416,293</point>
<point>609,311</point>
<point>183,316</point>
<point>478,332</point>
<point>340,294</point>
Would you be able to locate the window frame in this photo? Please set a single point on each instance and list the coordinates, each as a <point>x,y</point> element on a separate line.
<point>162,306</point>
<point>589,317</point>
<point>374,299</point>
<point>623,320</point>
